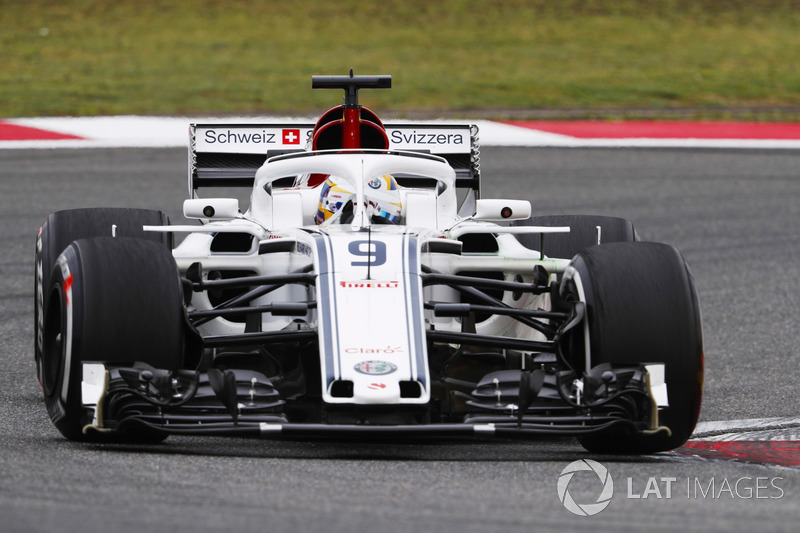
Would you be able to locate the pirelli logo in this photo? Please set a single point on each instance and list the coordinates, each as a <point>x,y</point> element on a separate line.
<point>368,284</point>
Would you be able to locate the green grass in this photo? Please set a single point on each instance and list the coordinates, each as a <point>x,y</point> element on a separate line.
<point>99,57</point>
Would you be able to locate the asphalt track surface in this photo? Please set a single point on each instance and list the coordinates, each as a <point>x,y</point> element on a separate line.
<point>733,214</point>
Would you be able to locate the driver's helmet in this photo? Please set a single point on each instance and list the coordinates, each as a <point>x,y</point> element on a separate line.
<point>381,193</point>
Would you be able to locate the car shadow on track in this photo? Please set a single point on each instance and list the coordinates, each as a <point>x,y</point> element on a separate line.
<point>537,450</point>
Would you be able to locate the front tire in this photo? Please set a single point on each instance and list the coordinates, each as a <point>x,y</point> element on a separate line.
<point>110,301</point>
<point>63,227</point>
<point>642,308</point>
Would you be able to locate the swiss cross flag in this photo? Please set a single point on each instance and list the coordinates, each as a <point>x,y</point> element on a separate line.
<point>291,136</point>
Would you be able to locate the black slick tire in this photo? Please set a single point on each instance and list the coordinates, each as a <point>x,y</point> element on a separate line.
<point>63,227</point>
<point>642,308</point>
<point>111,301</point>
<point>583,233</point>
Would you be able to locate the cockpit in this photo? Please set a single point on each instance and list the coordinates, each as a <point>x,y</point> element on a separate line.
<point>362,187</point>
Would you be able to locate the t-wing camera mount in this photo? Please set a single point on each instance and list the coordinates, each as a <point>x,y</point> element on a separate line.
<point>353,122</point>
<point>351,84</point>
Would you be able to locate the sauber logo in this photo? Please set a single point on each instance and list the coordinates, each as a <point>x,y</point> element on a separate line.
<point>291,136</point>
<point>369,284</point>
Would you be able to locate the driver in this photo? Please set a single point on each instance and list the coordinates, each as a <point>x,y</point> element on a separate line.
<point>381,194</point>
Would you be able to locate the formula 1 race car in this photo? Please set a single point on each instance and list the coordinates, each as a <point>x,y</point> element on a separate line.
<point>367,292</point>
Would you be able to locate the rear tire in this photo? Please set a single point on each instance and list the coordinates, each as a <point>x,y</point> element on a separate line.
<point>583,233</point>
<point>642,308</point>
<point>111,301</point>
<point>63,227</point>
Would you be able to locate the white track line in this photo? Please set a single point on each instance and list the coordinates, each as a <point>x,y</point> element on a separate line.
<point>165,132</point>
<point>781,428</point>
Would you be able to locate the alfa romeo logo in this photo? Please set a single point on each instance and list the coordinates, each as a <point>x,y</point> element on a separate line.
<point>375,368</point>
<point>606,492</point>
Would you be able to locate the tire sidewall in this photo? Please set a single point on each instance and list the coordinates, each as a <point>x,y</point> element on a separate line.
<point>41,283</point>
<point>61,364</point>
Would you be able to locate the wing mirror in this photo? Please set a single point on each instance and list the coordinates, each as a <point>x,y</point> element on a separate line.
<point>502,210</point>
<point>211,208</point>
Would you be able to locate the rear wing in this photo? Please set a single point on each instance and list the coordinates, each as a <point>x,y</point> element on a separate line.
<point>228,155</point>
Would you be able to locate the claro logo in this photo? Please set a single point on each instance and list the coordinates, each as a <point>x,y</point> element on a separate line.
<point>387,349</point>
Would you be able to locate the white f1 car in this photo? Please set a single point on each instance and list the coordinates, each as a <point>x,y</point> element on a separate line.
<point>367,292</point>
